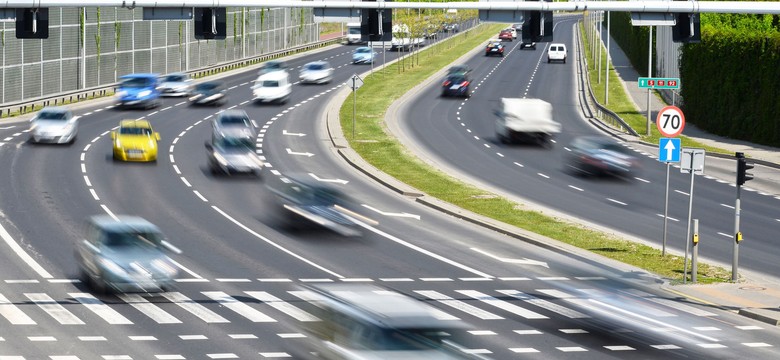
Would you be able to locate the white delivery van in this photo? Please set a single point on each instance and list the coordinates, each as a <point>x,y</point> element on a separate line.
<point>272,87</point>
<point>353,33</point>
<point>403,39</point>
<point>526,120</point>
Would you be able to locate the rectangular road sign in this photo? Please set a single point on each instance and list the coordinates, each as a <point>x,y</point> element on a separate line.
<point>659,83</point>
<point>692,159</point>
<point>669,150</point>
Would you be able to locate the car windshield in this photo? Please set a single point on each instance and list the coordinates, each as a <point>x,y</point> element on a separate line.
<point>234,121</point>
<point>363,51</point>
<point>456,78</point>
<point>270,83</point>
<point>53,115</point>
<point>354,31</point>
<point>315,67</point>
<point>135,131</point>
<point>175,78</point>
<point>235,144</point>
<point>136,82</point>
<point>206,87</point>
<point>132,239</point>
<point>458,69</point>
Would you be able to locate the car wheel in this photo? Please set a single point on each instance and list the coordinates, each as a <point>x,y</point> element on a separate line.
<point>564,60</point>
<point>98,285</point>
<point>548,60</point>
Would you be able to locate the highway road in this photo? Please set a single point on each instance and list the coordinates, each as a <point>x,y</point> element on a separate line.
<point>239,296</point>
<point>459,135</point>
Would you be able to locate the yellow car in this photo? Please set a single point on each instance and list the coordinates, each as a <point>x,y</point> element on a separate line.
<point>135,141</point>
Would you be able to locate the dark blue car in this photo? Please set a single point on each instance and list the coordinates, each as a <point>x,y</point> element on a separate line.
<point>456,85</point>
<point>138,91</point>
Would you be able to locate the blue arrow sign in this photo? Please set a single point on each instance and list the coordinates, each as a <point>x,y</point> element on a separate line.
<point>669,150</point>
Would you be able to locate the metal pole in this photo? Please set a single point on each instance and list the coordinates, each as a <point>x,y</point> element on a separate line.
<point>606,88</point>
<point>354,104</point>
<point>649,74</point>
<point>599,45</point>
<point>666,209</point>
<point>695,255</point>
<point>83,47</point>
<point>734,262</point>
<point>688,233</point>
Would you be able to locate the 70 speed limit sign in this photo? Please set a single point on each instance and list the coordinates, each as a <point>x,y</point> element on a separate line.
<point>670,121</point>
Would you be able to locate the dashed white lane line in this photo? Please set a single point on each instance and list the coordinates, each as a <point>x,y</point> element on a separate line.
<point>642,180</point>
<point>724,234</point>
<point>86,180</point>
<point>576,188</point>
<point>94,194</point>
<point>668,217</point>
<point>727,206</point>
<point>500,154</point>
<point>617,202</point>
<point>105,208</point>
<point>543,175</point>
<point>682,192</point>
<point>199,195</point>
<point>184,180</point>
<point>519,164</point>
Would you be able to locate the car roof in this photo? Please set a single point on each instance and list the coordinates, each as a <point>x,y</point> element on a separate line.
<point>139,75</point>
<point>318,62</point>
<point>138,123</point>
<point>122,223</point>
<point>232,113</point>
<point>276,75</point>
<point>55,109</point>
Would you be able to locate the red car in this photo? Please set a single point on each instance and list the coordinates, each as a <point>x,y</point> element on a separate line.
<point>505,35</point>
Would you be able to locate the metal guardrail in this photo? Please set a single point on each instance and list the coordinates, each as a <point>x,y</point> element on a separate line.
<point>30,105</point>
<point>602,113</point>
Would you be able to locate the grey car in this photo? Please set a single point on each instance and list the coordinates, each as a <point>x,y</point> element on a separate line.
<point>233,155</point>
<point>125,254</point>
<point>233,124</point>
<point>177,84</point>
<point>599,156</point>
<point>55,125</point>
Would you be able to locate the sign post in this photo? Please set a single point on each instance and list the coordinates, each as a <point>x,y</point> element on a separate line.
<point>356,83</point>
<point>668,151</point>
<point>693,163</point>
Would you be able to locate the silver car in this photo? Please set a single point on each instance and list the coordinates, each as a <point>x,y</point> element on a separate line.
<point>316,72</point>
<point>233,155</point>
<point>177,84</point>
<point>55,125</point>
<point>125,254</point>
<point>233,124</point>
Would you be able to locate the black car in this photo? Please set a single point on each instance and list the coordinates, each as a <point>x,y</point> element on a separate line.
<point>494,47</point>
<point>599,156</point>
<point>208,93</point>
<point>456,85</point>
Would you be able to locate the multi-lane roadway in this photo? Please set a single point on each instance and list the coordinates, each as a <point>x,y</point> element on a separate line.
<point>238,294</point>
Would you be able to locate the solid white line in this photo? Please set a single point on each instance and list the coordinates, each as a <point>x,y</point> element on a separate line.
<point>105,208</point>
<point>617,202</point>
<point>101,309</point>
<point>199,195</point>
<point>423,251</point>
<point>268,241</point>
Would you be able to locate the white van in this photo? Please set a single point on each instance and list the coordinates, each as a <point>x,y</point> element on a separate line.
<point>556,52</point>
<point>353,33</point>
<point>402,38</point>
<point>272,87</point>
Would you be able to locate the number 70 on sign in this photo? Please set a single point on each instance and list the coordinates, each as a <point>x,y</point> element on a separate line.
<point>670,121</point>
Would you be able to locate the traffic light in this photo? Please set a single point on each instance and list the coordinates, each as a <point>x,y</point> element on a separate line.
<point>742,167</point>
<point>538,26</point>
<point>210,23</point>
<point>687,27</point>
<point>32,23</point>
<point>376,25</point>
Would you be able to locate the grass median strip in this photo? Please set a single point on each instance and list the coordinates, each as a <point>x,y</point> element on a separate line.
<point>383,151</point>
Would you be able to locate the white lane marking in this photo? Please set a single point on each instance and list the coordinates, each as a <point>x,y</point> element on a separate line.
<point>171,157</point>
<point>83,168</point>
<point>95,139</point>
<point>402,214</point>
<point>86,180</point>
<point>282,306</point>
<point>274,354</point>
<point>169,357</point>
<point>519,164</point>
<point>13,314</point>
<point>194,308</point>
<point>151,310</point>
<point>523,261</point>
<point>83,155</point>
<point>617,202</point>
<point>487,146</point>
<point>185,182</point>
<point>528,332</point>
<point>307,154</point>
<point>268,241</point>
<point>571,349</point>
<point>642,180</point>
<point>242,336</point>
<point>757,344</point>
<point>544,304</point>
<point>619,348</point>
<point>340,181</point>
<point>233,280</point>
<point>176,169</point>
<point>50,338</point>
<point>724,234</point>
<point>459,305</point>
<point>197,277</point>
<point>240,308</point>
<point>666,347</point>
<point>500,154</point>
<point>23,254</point>
<point>291,335</point>
<point>284,132</point>
<point>92,338</point>
<point>142,338</point>
<point>94,194</point>
<point>27,281</point>
<point>87,147</point>
<point>543,175</point>
<point>575,188</point>
<point>728,206</point>
<point>682,192</point>
<point>523,350</point>
<point>199,195</point>
<point>668,217</point>
<point>222,356</point>
<point>749,327</point>
<point>108,314</point>
<point>503,305</point>
<point>55,310</point>
<point>274,280</point>
<point>712,346</point>
<point>193,337</point>
<point>105,208</point>
<point>167,108</point>
<point>396,279</point>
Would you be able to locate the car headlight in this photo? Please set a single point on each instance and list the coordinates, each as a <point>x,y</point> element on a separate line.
<point>144,93</point>
<point>165,267</point>
<point>112,267</point>
<point>257,160</point>
<point>220,159</point>
<point>120,93</point>
<point>117,143</point>
<point>195,97</point>
<point>33,127</point>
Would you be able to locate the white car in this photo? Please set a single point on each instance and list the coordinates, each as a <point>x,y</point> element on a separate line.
<point>556,52</point>
<point>55,125</point>
<point>316,72</point>
<point>272,87</point>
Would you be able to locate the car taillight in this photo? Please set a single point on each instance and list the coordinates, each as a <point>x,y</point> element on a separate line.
<point>465,83</point>
<point>446,83</point>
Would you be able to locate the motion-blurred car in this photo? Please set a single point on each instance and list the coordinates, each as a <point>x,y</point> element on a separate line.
<point>556,52</point>
<point>209,93</point>
<point>598,155</point>
<point>138,90</point>
<point>363,55</point>
<point>494,47</point>
<point>316,72</point>
<point>273,87</point>
<point>528,45</point>
<point>514,32</point>
<point>361,321</point>
<point>55,125</point>
<point>459,69</point>
<point>307,200</point>
<point>135,140</point>
<point>233,123</point>
<point>177,84</point>
<point>456,85</point>
<point>271,66</point>
<point>450,27</point>
<point>229,155</point>
<point>505,35</point>
<point>125,254</point>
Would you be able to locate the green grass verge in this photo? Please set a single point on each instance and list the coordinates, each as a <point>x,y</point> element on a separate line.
<point>383,151</point>
<point>620,102</point>
<point>330,28</point>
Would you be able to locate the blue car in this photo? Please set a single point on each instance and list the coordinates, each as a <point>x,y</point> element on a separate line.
<point>138,90</point>
<point>363,55</point>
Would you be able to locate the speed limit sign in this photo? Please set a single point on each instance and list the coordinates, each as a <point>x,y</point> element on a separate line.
<point>670,121</point>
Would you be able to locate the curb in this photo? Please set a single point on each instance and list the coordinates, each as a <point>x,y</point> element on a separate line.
<point>769,316</point>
